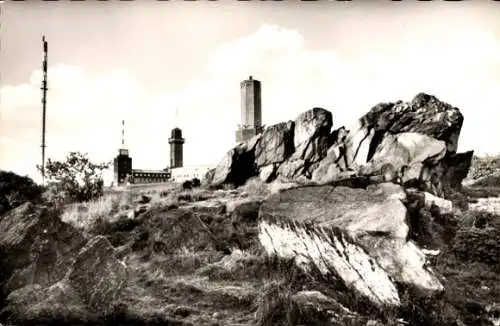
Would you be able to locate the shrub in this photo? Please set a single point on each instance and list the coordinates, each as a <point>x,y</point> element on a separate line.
<point>187,185</point>
<point>196,182</point>
<point>74,180</point>
<point>16,189</point>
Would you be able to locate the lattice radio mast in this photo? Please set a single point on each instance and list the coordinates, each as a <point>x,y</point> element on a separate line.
<point>44,104</point>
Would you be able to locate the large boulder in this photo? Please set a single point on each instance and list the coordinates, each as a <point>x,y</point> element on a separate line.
<point>311,141</point>
<point>291,169</point>
<point>359,235</point>
<point>35,247</point>
<point>413,157</point>
<point>267,172</point>
<point>416,134</point>
<point>50,272</point>
<point>58,304</point>
<point>237,166</point>
<point>408,149</point>
<point>97,275</point>
<point>425,114</point>
<point>421,135</point>
<point>276,144</point>
<point>312,133</point>
<point>335,163</point>
<point>455,169</point>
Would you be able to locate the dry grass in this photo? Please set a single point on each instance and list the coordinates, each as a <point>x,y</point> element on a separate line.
<point>85,215</point>
<point>491,205</point>
<point>255,187</point>
<point>481,192</point>
<point>124,200</point>
<point>185,275</point>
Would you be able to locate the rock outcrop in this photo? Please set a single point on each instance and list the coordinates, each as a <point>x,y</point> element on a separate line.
<point>312,133</point>
<point>97,275</point>
<point>35,247</point>
<point>418,138</point>
<point>357,235</point>
<point>237,166</point>
<point>400,132</point>
<point>275,145</point>
<point>311,140</point>
<point>50,272</point>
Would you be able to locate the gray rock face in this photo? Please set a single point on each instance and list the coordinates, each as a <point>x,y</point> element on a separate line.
<point>358,235</point>
<point>408,148</point>
<point>237,166</point>
<point>97,275</point>
<point>420,135</point>
<point>425,114</point>
<point>35,247</point>
<point>291,169</point>
<point>276,144</point>
<point>389,132</point>
<point>286,149</point>
<point>50,272</point>
<point>311,141</point>
<point>413,157</point>
<point>455,168</point>
<point>266,172</point>
<point>312,133</point>
<point>53,305</point>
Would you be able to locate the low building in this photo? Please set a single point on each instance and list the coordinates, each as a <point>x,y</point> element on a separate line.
<point>124,174</point>
<point>184,173</point>
<point>149,176</point>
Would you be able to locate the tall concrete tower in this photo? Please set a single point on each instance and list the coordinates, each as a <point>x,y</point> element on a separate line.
<point>251,110</point>
<point>176,143</point>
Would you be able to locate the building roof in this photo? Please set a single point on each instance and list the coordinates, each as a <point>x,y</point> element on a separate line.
<point>206,166</point>
<point>148,171</point>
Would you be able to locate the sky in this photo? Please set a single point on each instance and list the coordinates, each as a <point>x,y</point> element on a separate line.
<point>138,61</point>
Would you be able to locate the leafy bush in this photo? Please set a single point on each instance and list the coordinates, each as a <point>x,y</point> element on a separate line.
<point>187,185</point>
<point>16,189</point>
<point>196,182</point>
<point>75,180</point>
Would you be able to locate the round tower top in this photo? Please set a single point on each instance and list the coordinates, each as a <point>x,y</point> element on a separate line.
<point>176,133</point>
<point>250,78</point>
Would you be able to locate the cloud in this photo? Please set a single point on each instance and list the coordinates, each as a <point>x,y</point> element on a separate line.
<point>85,112</point>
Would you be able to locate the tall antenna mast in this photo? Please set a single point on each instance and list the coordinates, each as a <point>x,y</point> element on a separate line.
<point>44,104</point>
<point>123,134</point>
